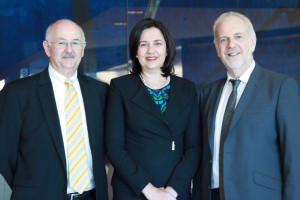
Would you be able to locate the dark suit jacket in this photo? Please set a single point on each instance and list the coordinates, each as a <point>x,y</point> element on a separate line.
<point>139,138</point>
<point>32,158</point>
<point>262,149</point>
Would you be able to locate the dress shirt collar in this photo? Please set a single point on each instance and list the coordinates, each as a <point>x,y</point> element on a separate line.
<point>60,78</point>
<point>245,77</point>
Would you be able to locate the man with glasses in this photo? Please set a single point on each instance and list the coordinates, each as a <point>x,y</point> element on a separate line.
<point>51,126</point>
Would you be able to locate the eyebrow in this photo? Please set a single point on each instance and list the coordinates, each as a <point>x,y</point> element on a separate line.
<point>153,41</point>
<point>66,40</point>
<point>238,33</point>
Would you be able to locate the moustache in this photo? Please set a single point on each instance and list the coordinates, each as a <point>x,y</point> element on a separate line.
<point>68,55</point>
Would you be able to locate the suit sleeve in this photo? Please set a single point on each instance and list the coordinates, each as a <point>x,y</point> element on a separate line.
<point>196,182</point>
<point>186,168</point>
<point>288,126</point>
<point>130,172</point>
<point>10,126</point>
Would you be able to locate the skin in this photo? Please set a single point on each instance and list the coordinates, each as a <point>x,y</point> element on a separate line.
<point>65,60</point>
<point>152,50</point>
<point>235,45</point>
<point>151,53</point>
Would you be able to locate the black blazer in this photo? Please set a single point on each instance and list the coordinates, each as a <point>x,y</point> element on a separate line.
<point>139,137</point>
<point>32,158</point>
<point>261,151</point>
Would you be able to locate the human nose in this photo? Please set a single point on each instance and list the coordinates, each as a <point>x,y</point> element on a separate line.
<point>69,47</point>
<point>150,48</point>
<point>230,42</point>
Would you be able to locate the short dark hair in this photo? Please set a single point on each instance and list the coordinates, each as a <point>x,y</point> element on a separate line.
<point>134,39</point>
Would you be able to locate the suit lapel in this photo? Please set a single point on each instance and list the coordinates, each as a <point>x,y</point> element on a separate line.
<point>145,102</point>
<point>47,100</point>
<point>255,82</point>
<point>214,102</point>
<point>177,101</point>
<point>87,96</point>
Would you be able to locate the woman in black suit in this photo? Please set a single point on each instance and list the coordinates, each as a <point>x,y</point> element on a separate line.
<point>152,132</point>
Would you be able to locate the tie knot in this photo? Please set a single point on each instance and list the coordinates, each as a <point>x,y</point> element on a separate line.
<point>68,83</point>
<point>235,83</point>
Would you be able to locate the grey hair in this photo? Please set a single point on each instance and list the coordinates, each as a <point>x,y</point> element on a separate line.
<point>49,29</point>
<point>249,26</point>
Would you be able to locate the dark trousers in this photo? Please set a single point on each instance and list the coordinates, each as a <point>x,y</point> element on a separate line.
<point>215,194</point>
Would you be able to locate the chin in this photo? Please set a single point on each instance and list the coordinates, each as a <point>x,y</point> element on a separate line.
<point>69,67</point>
<point>234,65</point>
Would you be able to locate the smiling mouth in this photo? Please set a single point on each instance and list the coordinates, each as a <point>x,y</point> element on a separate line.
<point>233,54</point>
<point>151,58</point>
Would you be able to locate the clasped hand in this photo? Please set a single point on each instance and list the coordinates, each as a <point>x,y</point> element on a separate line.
<point>153,193</point>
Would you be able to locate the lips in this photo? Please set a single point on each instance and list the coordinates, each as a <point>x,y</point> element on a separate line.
<point>230,54</point>
<point>151,58</point>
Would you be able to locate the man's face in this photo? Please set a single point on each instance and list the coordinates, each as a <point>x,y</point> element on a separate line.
<point>65,47</point>
<point>234,45</point>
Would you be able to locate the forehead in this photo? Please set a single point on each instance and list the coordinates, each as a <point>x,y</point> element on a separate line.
<point>66,30</point>
<point>230,25</point>
<point>152,33</point>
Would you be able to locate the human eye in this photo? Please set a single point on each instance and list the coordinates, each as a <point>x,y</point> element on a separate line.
<point>223,40</point>
<point>158,43</point>
<point>76,43</point>
<point>143,44</point>
<point>238,37</point>
<point>61,43</point>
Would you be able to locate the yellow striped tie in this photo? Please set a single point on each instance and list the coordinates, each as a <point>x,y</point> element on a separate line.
<point>78,168</point>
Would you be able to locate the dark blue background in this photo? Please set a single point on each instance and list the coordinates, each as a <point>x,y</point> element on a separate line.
<point>23,25</point>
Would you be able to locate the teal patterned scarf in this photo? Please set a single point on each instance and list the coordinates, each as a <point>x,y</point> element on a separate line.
<point>160,97</point>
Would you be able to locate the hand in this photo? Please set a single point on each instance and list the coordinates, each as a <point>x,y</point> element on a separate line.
<point>153,193</point>
<point>171,191</point>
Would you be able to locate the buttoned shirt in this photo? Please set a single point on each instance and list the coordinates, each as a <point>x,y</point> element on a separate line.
<point>219,119</point>
<point>59,89</point>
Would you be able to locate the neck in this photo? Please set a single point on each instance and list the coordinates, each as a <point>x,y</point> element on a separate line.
<point>154,81</point>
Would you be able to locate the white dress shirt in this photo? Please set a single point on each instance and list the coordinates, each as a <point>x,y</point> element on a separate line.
<point>219,119</point>
<point>59,89</point>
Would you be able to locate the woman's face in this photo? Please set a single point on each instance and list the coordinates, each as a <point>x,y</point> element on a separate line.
<point>152,49</point>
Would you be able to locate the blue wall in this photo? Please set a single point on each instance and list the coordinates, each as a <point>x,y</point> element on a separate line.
<point>23,24</point>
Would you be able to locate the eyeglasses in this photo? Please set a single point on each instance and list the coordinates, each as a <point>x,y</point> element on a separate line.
<point>62,44</point>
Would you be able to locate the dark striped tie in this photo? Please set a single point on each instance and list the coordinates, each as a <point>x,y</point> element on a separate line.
<point>228,114</point>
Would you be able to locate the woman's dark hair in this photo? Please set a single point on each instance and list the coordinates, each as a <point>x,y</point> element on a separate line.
<point>134,40</point>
